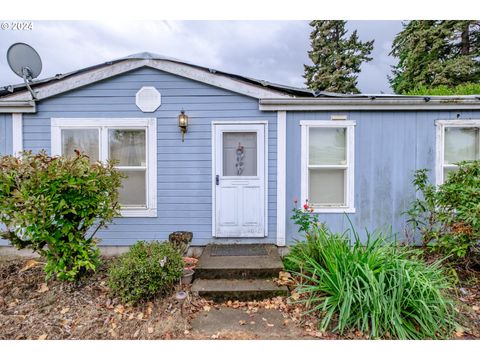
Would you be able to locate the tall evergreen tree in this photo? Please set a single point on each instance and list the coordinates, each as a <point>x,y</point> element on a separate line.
<point>436,52</point>
<point>336,57</point>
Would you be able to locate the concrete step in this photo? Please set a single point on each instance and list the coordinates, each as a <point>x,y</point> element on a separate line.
<point>245,289</point>
<point>211,266</point>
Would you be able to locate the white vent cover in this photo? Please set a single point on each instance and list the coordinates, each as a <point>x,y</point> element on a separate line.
<point>148,99</point>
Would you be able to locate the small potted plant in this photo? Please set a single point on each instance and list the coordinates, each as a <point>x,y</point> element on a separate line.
<point>188,270</point>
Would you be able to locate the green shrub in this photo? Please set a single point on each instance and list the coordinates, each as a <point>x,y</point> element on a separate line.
<point>378,288</point>
<point>145,271</point>
<point>463,89</point>
<point>448,217</point>
<point>304,217</point>
<point>55,206</point>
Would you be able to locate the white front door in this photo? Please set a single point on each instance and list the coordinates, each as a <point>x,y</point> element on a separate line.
<point>239,180</point>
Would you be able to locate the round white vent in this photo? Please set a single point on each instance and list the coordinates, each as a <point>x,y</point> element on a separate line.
<point>148,99</point>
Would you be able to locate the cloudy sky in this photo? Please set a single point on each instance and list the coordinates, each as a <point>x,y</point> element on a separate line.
<point>268,50</point>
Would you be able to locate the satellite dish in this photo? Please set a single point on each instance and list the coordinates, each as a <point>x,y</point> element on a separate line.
<point>25,62</point>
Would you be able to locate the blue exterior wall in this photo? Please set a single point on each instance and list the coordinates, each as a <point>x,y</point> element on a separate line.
<point>5,134</point>
<point>389,147</point>
<point>183,203</point>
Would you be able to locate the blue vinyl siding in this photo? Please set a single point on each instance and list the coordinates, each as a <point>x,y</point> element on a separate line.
<point>184,188</point>
<point>5,134</point>
<point>389,147</point>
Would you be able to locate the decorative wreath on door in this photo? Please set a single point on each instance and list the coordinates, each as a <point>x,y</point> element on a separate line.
<point>240,165</point>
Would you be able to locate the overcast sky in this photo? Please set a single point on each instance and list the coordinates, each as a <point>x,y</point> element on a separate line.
<point>268,50</point>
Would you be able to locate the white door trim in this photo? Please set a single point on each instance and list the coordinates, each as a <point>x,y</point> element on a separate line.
<point>237,122</point>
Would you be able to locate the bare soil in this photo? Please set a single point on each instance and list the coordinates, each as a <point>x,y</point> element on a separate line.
<point>32,308</point>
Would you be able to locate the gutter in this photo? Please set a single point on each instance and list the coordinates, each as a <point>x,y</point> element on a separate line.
<point>370,103</point>
<point>21,106</point>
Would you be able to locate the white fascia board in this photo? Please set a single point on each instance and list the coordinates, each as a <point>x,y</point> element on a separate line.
<point>17,107</point>
<point>300,104</point>
<point>105,72</point>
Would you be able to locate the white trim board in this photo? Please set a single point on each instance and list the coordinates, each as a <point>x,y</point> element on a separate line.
<point>281,176</point>
<point>150,124</point>
<point>350,167</point>
<point>187,71</point>
<point>17,133</point>
<point>440,142</point>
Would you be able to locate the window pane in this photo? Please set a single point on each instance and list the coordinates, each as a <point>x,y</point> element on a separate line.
<point>239,154</point>
<point>127,146</point>
<point>461,144</point>
<point>327,187</point>
<point>84,140</point>
<point>133,190</point>
<point>448,170</point>
<point>327,146</point>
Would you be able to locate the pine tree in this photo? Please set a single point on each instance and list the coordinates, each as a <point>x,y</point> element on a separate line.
<point>434,53</point>
<point>336,57</point>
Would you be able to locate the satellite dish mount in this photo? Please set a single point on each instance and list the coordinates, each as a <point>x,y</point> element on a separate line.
<point>25,62</point>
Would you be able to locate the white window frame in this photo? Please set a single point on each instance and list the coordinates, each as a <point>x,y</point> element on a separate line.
<point>349,167</point>
<point>104,124</point>
<point>440,146</point>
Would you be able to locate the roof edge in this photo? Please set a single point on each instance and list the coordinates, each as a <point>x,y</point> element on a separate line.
<point>371,103</point>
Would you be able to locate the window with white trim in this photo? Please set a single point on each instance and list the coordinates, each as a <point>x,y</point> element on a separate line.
<point>457,140</point>
<point>131,142</point>
<point>328,165</point>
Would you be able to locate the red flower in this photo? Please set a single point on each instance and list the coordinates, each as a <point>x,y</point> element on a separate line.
<point>305,206</point>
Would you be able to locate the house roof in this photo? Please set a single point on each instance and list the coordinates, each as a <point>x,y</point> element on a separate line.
<point>287,90</point>
<point>271,96</point>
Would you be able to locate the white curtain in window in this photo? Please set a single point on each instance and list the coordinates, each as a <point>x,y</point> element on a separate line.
<point>461,144</point>
<point>327,146</point>
<point>84,140</point>
<point>327,186</point>
<point>127,146</point>
<point>133,190</point>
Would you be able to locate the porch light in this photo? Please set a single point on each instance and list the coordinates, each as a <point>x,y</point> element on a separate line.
<point>183,123</point>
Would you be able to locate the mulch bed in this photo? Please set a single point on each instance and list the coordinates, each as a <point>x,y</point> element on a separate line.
<point>31,308</point>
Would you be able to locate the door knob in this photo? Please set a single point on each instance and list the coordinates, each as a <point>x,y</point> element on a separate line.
<point>217,179</point>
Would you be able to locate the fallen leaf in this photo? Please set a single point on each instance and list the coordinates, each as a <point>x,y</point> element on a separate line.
<point>42,337</point>
<point>29,264</point>
<point>216,336</point>
<point>270,325</point>
<point>186,332</point>
<point>140,316</point>
<point>150,330</point>
<point>131,316</point>
<point>285,322</point>
<point>242,322</point>
<point>43,288</point>
<point>120,309</point>
<point>264,319</point>
<point>206,308</point>
<point>252,322</point>
<point>136,333</point>
<point>65,310</point>
<point>475,308</point>
<point>229,303</point>
<point>295,296</point>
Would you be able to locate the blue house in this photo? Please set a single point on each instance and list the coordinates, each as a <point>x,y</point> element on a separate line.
<point>225,156</point>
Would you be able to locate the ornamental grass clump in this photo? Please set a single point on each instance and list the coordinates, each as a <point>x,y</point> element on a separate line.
<point>145,271</point>
<point>378,287</point>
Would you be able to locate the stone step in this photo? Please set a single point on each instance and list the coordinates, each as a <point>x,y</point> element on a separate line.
<point>214,266</point>
<point>245,289</point>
